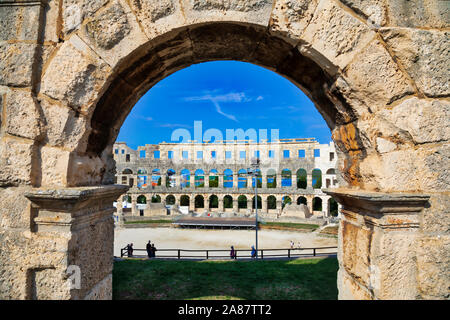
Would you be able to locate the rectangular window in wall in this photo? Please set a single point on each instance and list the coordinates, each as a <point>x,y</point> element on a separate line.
<point>185,154</point>
<point>301,153</point>
<point>199,154</point>
<point>271,154</point>
<point>285,154</point>
<point>141,153</point>
<point>316,153</point>
<point>257,154</point>
<point>213,155</point>
<point>116,151</point>
<point>170,155</point>
<point>242,154</point>
<point>156,154</point>
<point>331,156</point>
<point>227,154</point>
<point>123,151</point>
<point>127,158</point>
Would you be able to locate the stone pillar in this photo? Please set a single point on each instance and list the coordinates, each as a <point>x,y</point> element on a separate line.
<point>250,204</point>
<point>325,206</point>
<point>133,205</point>
<point>119,211</point>
<point>235,205</point>
<point>192,202</point>
<point>191,181</point>
<point>221,206</point>
<point>163,180</point>
<point>249,182</point>
<point>309,181</point>
<point>220,175</point>
<point>206,202</point>
<point>278,180</point>
<point>264,181</point>
<point>206,181</point>
<point>235,181</point>
<point>377,236</point>
<point>76,227</point>
<point>264,205</point>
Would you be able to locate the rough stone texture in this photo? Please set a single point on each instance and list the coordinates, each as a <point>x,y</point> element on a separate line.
<point>158,17</point>
<point>336,34</point>
<point>113,32</point>
<point>16,64</point>
<point>64,127</point>
<point>22,115</point>
<point>292,16</point>
<point>75,11</point>
<point>372,10</point>
<point>16,162</point>
<point>249,11</point>
<point>424,120</point>
<point>83,75</point>
<point>421,53</point>
<point>432,264</point>
<point>19,23</point>
<point>374,79</point>
<point>109,28</point>
<point>418,13</point>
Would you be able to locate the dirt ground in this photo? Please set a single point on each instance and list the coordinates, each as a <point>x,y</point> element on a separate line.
<point>174,238</point>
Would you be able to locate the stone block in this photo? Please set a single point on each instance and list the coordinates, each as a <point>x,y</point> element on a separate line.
<point>16,162</point>
<point>54,166</point>
<point>74,12</point>
<point>64,127</point>
<point>158,17</point>
<point>290,18</point>
<point>374,11</point>
<point>75,75</point>
<point>22,115</point>
<point>336,34</point>
<point>425,120</point>
<point>113,32</point>
<point>15,211</point>
<point>435,217</point>
<point>433,265</point>
<point>247,11</point>
<point>373,79</point>
<point>418,13</point>
<point>425,55</point>
<point>19,22</point>
<point>16,64</point>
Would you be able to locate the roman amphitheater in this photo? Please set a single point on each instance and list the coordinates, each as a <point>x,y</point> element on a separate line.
<point>376,70</point>
<point>194,177</point>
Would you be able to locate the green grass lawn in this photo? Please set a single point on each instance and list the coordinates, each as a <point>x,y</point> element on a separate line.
<point>263,279</point>
<point>290,225</point>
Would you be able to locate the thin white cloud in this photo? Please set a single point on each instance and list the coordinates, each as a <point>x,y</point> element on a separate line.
<point>144,118</point>
<point>235,97</point>
<point>259,98</point>
<point>173,125</point>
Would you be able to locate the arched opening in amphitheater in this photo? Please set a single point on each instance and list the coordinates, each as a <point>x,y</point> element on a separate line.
<point>71,74</point>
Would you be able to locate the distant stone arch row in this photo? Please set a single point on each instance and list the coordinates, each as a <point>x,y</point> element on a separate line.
<point>266,203</point>
<point>228,178</point>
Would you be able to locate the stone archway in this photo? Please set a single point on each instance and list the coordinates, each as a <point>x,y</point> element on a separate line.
<point>376,74</point>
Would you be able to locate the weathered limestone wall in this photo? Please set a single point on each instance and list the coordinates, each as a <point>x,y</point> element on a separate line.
<point>71,71</point>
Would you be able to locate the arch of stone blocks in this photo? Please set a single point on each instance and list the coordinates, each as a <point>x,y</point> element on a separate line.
<point>71,71</point>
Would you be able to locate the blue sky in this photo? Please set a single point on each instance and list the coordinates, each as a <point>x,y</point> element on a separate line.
<point>223,95</point>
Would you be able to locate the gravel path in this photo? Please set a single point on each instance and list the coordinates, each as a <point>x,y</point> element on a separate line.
<point>174,238</point>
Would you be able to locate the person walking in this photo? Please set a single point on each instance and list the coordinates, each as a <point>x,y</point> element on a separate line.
<point>253,252</point>
<point>232,253</point>
<point>149,249</point>
<point>130,250</point>
<point>153,250</point>
<point>292,244</point>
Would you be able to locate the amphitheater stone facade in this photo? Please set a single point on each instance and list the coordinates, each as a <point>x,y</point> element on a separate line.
<point>195,177</point>
<point>376,70</point>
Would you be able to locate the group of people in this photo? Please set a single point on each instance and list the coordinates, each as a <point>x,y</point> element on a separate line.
<point>293,244</point>
<point>233,254</point>
<point>151,250</point>
<point>130,249</point>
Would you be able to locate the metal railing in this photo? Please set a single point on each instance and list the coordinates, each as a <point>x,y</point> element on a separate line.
<point>240,253</point>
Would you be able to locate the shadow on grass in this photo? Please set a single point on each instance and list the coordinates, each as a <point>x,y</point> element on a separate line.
<point>302,279</point>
